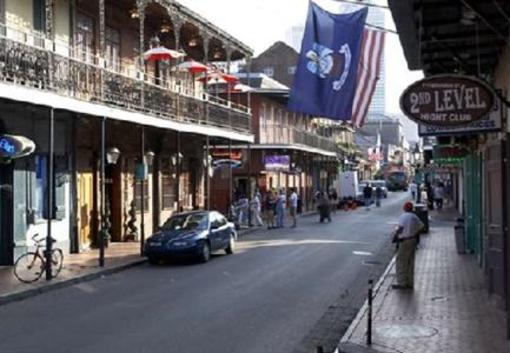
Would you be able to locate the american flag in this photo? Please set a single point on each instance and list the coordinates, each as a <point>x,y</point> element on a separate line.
<point>369,69</point>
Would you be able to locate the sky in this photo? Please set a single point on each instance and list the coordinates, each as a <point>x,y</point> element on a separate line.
<point>260,23</point>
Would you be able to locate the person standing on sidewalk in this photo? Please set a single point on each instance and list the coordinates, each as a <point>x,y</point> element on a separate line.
<point>293,207</point>
<point>367,195</point>
<point>414,190</point>
<point>280,209</point>
<point>409,226</point>
<point>378,195</point>
<point>255,210</point>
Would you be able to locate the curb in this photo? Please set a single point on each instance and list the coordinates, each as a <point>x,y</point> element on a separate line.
<point>25,294</point>
<point>361,313</point>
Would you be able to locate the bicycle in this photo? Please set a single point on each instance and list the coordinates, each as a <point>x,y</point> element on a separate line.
<point>29,267</point>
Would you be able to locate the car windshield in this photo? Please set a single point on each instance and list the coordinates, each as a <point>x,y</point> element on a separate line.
<point>186,222</point>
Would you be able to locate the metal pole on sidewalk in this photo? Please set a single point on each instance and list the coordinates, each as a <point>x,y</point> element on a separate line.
<point>102,156</point>
<point>178,174</point>
<point>208,179</point>
<point>49,186</point>
<point>249,183</point>
<point>142,191</point>
<point>369,315</point>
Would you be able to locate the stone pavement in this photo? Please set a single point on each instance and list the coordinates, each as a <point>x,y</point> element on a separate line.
<point>448,311</point>
<point>78,268</point>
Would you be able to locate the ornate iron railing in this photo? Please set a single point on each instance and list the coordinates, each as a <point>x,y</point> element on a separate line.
<point>31,60</point>
<point>289,135</point>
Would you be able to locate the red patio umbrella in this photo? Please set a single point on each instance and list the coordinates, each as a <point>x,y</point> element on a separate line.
<point>161,53</point>
<point>193,67</point>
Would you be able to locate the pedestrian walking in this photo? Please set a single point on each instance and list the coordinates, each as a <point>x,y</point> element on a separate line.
<point>280,209</point>
<point>324,208</point>
<point>423,195</point>
<point>430,195</point>
<point>439,195</point>
<point>255,207</point>
<point>378,195</point>
<point>414,190</point>
<point>367,195</point>
<point>293,207</point>
<point>243,207</point>
<point>406,234</point>
<point>270,209</point>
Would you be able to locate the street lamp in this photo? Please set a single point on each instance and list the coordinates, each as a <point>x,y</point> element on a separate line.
<point>111,156</point>
<point>416,157</point>
<point>148,159</point>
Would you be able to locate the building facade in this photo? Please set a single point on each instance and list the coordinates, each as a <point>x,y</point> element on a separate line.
<point>307,152</point>
<point>128,137</point>
<point>479,170</point>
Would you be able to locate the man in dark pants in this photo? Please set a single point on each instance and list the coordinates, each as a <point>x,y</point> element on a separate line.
<point>409,226</point>
<point>367,195</point>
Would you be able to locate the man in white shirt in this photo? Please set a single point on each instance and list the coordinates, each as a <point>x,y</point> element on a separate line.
<point>409,227</point>
<point>293,207</point>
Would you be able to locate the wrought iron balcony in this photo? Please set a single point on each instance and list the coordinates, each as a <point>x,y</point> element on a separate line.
<point>290,135</point>
<point>31,60</point>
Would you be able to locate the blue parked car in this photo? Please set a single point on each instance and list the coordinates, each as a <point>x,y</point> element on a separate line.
<point>197,234</point>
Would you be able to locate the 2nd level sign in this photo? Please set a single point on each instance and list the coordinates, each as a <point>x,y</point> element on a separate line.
<point>447,100</point>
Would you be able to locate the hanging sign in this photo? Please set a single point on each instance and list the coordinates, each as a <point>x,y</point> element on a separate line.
<point>279,163</point>
<point>447,100</point>
<point>13,146</point>
<point>490,123</point>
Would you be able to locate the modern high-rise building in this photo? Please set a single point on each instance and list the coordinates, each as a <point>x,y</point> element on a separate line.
<point>294,37</point>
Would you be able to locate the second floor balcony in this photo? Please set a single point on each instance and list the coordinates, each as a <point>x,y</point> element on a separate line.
<point>276,134</point>
<point>31,60</point>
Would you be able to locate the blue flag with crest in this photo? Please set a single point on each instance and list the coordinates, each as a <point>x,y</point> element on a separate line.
<point>326,75</point>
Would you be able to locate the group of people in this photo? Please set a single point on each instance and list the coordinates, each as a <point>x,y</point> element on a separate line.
<point>369,194</point>
<point>270,207</point>
<point>433,195</point>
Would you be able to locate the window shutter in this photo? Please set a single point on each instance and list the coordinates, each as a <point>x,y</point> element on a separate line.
<point>61,179</point>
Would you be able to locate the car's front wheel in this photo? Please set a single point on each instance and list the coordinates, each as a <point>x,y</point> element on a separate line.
<point>205,252</point>
<point>231,246</point>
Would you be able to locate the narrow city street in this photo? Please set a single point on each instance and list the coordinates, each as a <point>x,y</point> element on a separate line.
<point>283,291</point>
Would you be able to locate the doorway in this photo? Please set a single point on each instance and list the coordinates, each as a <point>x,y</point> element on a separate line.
<point>6,215</point>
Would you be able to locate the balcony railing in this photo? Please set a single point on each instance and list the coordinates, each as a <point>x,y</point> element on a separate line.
<point>289,135</point>
<point>30,60</point>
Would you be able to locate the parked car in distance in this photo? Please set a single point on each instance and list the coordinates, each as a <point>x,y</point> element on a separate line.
<point>382,184</point>
<point>196,234</point>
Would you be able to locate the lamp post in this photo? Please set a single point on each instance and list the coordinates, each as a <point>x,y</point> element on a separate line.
<point>147,160</point>
<point>110,156</point>
<point>417,172</point>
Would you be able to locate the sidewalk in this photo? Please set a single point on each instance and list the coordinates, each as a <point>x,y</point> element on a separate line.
<point>78,268</point>
<point>448,311</point>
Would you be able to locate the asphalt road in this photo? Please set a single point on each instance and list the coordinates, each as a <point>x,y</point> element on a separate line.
<point>283,291</point>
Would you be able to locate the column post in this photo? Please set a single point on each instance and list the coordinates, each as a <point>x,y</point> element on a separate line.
<point>141,13</point>
<point>49,201</point>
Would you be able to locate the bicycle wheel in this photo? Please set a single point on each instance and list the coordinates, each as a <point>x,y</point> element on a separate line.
<point>29,267</point>
<point>57,260</point>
